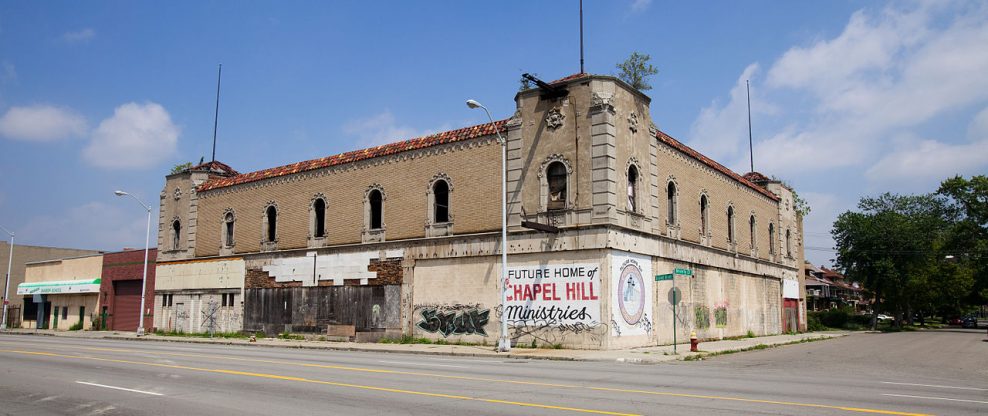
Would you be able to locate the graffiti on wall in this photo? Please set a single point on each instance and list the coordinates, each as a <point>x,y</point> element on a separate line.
<point>553,295</point>
<point>631,301</point>
<point>720,314</point>
<point>701,316</point>
<point>554,334</point>
<point>454,320</point>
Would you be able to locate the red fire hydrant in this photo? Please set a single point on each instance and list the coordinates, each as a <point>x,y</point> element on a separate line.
<point>694,342</point>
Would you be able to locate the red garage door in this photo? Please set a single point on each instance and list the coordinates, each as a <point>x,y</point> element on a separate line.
<point>126,305</point>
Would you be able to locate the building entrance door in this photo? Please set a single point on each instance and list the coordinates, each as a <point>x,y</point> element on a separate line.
<point>790,315</point>
<point>126,305</point>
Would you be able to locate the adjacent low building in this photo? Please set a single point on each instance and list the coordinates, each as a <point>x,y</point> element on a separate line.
<point>122,280</point>
<point>61,294</point>
<point>23,254</point>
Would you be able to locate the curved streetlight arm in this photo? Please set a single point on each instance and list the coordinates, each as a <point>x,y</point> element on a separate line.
<point>122,193</point>
<point>504,342</point>
<point>147,247</point>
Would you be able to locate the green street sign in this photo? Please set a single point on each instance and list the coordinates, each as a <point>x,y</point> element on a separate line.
<point>661,277</point>
<point>684,272</point>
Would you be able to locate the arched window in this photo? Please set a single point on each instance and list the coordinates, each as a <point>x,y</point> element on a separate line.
<point>671,202</point>
<point>704,223</point>
<point>440,209</point>
<point>556,175</point>
<point>376,209</point>
<point>771,238</point>
<point>788,243</point>
<point>751,230</point>
<point>176,234</point>
<point>228,220</point>
<point>319,218</point>
<point>632,188</point>
<point>730,225</point>
<point>272,216</point>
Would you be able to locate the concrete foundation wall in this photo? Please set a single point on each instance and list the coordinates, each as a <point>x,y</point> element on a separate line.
<point>191,309</point>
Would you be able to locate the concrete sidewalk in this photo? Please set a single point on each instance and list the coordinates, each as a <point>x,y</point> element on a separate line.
<point>634,355</point>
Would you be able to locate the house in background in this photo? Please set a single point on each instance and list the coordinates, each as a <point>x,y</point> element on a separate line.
<point>827,289</point>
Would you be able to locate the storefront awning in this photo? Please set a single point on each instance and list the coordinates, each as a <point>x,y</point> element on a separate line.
<point>59,286</point>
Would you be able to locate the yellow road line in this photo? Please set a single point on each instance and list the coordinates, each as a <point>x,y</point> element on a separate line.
<point>507,381</point>
<point>323,382</point>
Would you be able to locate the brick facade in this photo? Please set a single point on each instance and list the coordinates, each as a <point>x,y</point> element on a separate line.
<point>127,265</point>
<point>598,131</point>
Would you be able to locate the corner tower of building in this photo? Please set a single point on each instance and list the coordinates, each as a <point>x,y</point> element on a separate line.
<point>178,216</point>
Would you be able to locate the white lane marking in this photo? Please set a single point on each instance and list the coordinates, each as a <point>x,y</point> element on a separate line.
<point>934,385</point>
<point>934,398</point>
<point>466,361</point>
<point>425,364</point>
<point>120,388</point>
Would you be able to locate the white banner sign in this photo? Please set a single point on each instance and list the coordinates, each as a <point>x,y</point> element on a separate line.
<point>631,302</point>
<point>790,288</point>
<point>56,287</point>
<point>553,295</point>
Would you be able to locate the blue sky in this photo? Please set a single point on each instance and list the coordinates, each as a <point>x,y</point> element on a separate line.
<point>849,98</point>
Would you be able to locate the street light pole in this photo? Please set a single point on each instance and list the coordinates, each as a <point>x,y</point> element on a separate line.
<point>503,343</point>
<point>144,278</point>
<point>6,285</point>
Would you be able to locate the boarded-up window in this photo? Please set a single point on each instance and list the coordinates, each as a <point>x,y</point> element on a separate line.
<point>788,243</point>
<point>228,230</point>
<point>272,216</point>
<point>730,225</point>
<point>376,209</point>
<point>671,202</point>
<point>704,224</point>
<point>440,191</point>
<point>556,175</point>
<point>771,239</point>
<point>176,234</point>
<point>319,217</point>
<point>632,188</point>
<point>751,230</point>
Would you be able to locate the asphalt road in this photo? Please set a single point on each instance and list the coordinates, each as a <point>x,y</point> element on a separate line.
<point>935,372</point>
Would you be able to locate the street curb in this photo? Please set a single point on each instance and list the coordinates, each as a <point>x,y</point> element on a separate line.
<point>350,348</point>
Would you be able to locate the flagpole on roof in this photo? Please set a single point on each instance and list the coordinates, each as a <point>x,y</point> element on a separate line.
<point>751,152</point>
<point>216,115</point>
<point>581,36</point>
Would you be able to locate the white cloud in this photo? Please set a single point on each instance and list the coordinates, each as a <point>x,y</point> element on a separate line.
<point>929,161</point>
<point>848,98</point>
<point>41,123</point>
<point>380,129</point>
<point>640,5</point>
<point>82,36</point>
<point>721,131</point>
<point>94,225</point>
<point>136,136</point>
<point>878,101</point>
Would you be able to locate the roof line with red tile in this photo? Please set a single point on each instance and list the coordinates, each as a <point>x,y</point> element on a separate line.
<point>451,136</point>
<point>676,144</point>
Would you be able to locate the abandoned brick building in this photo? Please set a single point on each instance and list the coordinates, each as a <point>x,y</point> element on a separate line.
<point>405,238</point>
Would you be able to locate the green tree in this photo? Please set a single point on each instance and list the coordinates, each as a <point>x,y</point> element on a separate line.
<point>967,243</point>
<point>636,70</point>
<point>181,167</point>
<point>890,245</point>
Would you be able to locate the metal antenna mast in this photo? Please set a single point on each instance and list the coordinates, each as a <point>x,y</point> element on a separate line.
<point>751,152</point>
<point>581,36</point>
<point>216,115</point>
